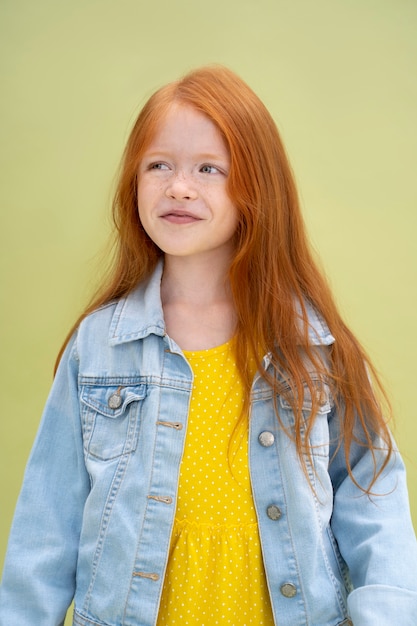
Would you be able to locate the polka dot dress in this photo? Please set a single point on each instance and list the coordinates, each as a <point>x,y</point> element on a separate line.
<point>215,573</point>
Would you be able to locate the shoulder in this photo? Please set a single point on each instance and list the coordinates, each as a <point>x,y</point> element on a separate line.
<point>98,321</point>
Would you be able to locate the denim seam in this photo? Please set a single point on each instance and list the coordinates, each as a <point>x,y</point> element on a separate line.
<point>104,524</point>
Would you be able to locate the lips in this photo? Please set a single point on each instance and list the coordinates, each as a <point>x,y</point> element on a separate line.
<point>177,216</point>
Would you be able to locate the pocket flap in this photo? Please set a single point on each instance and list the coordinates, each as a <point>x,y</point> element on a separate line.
<point>323,398</point>
<point>111,401</point>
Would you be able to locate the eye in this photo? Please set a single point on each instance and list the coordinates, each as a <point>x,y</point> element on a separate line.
<point>158,166</point>
<point>209,169</point>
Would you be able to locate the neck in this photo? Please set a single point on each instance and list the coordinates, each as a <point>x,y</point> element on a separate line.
<point>197,302</point>
<point>199,281</point>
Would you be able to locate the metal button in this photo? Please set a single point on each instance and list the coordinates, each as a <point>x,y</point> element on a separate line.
<point>147,575</point>
<point>273,512</point>
<point>321,396</point>
<point>115,400</point>
<point>266,439</point>
<point>288,590</point>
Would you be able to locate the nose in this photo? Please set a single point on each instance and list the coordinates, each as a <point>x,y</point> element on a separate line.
<point>181,187</point>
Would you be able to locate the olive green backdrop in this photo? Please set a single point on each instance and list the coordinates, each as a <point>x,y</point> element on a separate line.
<point>339,78</point>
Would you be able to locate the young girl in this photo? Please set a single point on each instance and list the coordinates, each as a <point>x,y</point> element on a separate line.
<point>213,450</point>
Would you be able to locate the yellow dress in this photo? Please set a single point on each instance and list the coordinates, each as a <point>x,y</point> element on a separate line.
<point>215,572</point>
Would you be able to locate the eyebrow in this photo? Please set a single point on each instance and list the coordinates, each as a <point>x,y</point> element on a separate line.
<point>203,156</point>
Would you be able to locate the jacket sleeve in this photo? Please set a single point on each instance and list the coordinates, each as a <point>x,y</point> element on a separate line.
<point>39,572</point>
<point>375,536</point>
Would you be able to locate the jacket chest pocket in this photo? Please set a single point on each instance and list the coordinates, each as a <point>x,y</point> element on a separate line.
<point>316,432</point>
<point>111,419</point>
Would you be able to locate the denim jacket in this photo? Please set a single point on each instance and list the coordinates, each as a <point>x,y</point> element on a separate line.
<point>97,506</point>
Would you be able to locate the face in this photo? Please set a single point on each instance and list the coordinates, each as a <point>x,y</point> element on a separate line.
<point>182,198</point>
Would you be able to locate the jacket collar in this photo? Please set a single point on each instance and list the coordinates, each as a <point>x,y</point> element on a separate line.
<point>318,331</point>
<point>140,314</point>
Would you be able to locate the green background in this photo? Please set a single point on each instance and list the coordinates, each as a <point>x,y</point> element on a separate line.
<point>340,79</point>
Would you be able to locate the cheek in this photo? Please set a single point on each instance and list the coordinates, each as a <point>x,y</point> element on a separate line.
<point>232,216</point>
<point>149,193</point>
<point>141,193</point>
<point>143,206</point>
<point>145,200</point>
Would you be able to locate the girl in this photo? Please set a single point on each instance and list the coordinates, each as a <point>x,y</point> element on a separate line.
<point>212,450</point>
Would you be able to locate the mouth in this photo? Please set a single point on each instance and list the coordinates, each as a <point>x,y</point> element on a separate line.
<point>180,217</point>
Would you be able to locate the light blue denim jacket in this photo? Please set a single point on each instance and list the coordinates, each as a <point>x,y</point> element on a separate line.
<point>97,506</point>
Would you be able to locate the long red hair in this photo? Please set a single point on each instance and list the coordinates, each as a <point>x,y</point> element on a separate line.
<point>273,274</point>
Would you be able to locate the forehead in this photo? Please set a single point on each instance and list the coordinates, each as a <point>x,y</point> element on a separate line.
<point>184,127</point>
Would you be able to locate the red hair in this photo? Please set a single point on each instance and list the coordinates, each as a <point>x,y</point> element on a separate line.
<point>273,274</point>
